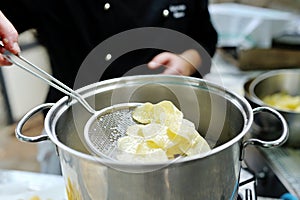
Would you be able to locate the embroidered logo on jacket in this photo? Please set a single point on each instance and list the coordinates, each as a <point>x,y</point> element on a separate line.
<point>178,11</point>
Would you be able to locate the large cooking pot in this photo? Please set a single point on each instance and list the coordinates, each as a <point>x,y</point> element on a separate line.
<point>268,83</point>
<point>221,116</point>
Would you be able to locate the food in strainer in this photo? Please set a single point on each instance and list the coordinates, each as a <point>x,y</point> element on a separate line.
<point>283,101</point>
<point>162,134</point>
<point>164,113</point>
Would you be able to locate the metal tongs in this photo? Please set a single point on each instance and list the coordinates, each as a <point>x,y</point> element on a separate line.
<point>39,73</point>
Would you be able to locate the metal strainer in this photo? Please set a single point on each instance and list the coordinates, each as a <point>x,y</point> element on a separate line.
<point>104,128</point>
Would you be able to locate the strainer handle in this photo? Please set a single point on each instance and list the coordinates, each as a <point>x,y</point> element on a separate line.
<point>23,121</point>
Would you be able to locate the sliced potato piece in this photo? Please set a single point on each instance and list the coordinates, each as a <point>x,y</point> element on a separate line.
<point>167,114</point>
<point>199,145</point>
<point>129,144</point>
<point>144,113</point>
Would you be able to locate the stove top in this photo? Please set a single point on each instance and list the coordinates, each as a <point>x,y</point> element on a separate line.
<point>247,190</point>
<point>276,171</point>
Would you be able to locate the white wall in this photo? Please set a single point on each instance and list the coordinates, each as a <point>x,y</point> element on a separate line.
<point>23,89</point>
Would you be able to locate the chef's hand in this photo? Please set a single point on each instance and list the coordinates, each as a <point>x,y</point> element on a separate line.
<point>177,64</point>
<point>9,38</point>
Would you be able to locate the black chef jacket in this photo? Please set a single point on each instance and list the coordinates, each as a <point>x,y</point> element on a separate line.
<point>70,29</point>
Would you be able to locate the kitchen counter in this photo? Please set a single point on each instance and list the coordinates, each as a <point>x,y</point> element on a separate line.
<point>225,73</point>
<point>22,185</point>
<point>277,170</point>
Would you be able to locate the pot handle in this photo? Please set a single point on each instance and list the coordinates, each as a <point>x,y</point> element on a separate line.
<point>25,118</point>
<point>281,140</point>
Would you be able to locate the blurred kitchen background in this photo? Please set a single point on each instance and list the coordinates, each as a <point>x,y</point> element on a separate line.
<point>249,31</point>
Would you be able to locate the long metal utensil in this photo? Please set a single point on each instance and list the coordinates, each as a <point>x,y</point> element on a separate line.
<point>43,75</point>
<point>103,129</point>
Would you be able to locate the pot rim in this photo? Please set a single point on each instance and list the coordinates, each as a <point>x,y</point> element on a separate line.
<point>64,103</point>
<point>262,77</point>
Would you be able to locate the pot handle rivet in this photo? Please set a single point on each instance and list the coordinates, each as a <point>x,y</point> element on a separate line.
<point>23,121</point>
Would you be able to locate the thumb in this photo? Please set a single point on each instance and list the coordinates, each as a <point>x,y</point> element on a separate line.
<point>8,35</point>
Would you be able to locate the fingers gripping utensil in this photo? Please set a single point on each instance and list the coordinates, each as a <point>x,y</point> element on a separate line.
<point>105,126</point>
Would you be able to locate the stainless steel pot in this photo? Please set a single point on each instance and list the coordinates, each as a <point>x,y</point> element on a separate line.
<point>222,117</point>
<point>272,82</point>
